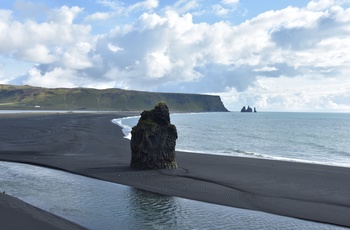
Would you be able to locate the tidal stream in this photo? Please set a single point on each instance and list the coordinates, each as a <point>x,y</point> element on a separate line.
<point>103,205</point>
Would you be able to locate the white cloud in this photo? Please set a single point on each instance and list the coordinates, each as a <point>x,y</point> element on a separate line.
<point>17,37</point>
<point>57,42</point>
<point>114,48</point>
<point>121,8</point>
<point>292,94</point>
<point>320,4</point>
<point>184,6</point>
<point>39,53</point>
<point>77,57</point>
<point>220,10</point>
<point>119,12</point>
<point>224,9</point>
<point>99,16</point>
<point>155,48</point>
<point>110,3</point>
<point>158,64</point>
<point>293,58</point>
<point>52,79</point>
<point>148,4</point>
<point>150,21</point>
<point>265,69</point>
<point>2,75</point>
<point>65,14</point>
<point>230,2</point>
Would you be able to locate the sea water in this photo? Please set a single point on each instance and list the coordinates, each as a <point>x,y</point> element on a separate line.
<point>305,137</point>
<point>97,204</point>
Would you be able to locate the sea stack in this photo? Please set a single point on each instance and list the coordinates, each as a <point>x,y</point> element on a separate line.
<point>153,140</point>
<point>246,110</point>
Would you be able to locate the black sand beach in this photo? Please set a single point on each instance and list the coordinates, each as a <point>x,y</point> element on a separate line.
<point>16,214</point>
<point>89,144</point>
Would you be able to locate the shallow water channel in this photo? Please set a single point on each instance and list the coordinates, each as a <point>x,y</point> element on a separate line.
<point>98,204</point>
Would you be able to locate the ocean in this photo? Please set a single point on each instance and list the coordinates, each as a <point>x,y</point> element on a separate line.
<point>320,138</point>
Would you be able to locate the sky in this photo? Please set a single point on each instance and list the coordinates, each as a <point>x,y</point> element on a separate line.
<point>285,55</point>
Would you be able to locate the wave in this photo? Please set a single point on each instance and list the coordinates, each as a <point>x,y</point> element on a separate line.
<point>245,154</point>
<point>236,153</point>
<point>125,128</point>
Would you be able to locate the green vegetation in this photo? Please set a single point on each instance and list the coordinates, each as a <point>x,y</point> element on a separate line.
<point>29,98</point>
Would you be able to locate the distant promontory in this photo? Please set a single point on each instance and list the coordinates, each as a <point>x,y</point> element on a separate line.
<point>37,98</point>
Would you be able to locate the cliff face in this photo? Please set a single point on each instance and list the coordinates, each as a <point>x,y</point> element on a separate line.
<point>27,97</point>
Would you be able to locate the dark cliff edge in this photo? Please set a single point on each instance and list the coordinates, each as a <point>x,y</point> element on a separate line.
<point>37,98</point>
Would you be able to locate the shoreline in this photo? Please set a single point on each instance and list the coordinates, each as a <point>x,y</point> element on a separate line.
<point>253,155</point>
<point>89,145</point>
<point>31,217</point>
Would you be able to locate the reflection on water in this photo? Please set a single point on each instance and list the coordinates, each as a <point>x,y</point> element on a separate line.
<point>152,209</point>
<point>97,204</point>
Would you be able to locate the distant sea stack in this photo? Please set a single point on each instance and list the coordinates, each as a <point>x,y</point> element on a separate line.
<point>248,110</point>
<point>153,140</point>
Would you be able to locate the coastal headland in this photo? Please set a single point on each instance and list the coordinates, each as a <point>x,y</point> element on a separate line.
<point>89,144</point>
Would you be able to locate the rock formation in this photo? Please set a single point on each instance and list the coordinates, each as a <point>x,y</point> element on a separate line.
<point>243,110</point>
<point>153,140</point>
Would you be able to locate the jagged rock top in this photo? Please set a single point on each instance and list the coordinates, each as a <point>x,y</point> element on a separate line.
<point>160,114</point>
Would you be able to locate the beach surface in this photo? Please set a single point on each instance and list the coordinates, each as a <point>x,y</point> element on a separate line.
<point>91,145</point>
<point>16,214</point>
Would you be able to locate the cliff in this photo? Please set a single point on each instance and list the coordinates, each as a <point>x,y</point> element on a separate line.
<point>29,98</point>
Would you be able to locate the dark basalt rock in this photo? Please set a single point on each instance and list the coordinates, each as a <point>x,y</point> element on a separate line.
<point>153,140</point>
<point>244,110</point>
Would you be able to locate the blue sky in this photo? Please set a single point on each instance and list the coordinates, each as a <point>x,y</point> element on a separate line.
<point>287,55</point>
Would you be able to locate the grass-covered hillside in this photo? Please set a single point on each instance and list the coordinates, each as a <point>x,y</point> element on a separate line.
<point>29,98</point>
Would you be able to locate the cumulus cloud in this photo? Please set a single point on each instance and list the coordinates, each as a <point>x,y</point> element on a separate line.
<point>230,2</point>
<point>184,6</point>
<point>265,69</point>
<point>120,8</point>
<point>220,10</point>
<point>38,53</point>
<point>148,4</point>
<point>99,16</point>
<point>320,4</point>
<point>57,42</point>
<point>64,15</point>
<point>51,79</point>
<point>17,37</point>
<point>263,62</point>
<point>293,94</point>
<point>225,8</point>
